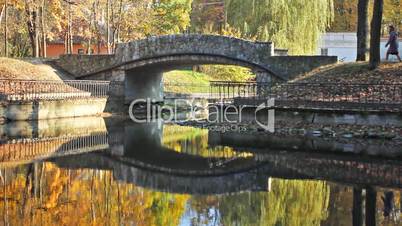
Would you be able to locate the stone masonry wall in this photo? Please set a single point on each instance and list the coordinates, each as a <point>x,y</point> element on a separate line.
<point>79,65</point>
<point>291,66</point>
<point>255,52</point>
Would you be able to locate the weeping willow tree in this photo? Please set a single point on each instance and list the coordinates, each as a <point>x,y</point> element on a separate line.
<point>292,24</point>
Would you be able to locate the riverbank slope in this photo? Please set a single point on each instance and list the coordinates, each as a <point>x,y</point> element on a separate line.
<point>30,69</point>
<point>354,73</point>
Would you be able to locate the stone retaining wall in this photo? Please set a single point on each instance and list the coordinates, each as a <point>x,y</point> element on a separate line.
<point>315,116</point>
<point>49,109</point>
<point>290,67</point>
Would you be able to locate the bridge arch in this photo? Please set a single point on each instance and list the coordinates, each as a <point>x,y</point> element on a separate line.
<point>176,61</point>
<point>143,78</point>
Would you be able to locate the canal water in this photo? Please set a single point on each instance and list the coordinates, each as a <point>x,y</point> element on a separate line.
<point>107,171</point>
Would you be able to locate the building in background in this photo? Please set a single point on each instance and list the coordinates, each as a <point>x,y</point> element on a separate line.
<point>344,45</point>
<point>57,47</point>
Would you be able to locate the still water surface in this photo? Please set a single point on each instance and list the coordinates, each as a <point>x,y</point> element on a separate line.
<point>95,171</point>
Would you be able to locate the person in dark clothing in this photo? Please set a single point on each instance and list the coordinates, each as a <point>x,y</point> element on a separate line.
<point>393,43</point>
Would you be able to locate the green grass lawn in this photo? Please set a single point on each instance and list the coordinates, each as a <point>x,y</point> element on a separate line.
<point>188,81</point>
<point>186,77</point>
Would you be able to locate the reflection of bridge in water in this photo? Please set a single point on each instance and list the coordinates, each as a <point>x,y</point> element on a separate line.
<point>136,155</point>
<point>161,179</point>
<point>284,165</point>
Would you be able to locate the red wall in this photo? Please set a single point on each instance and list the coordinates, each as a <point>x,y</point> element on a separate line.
<point>55,50</point>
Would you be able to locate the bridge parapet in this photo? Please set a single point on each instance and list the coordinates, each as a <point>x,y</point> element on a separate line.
<point>81,65</point>
<point>187,44</point>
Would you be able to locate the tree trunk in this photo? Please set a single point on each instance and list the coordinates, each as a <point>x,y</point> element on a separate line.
<point>66,43</point>
<point>98,35</point>
<point>2,12</point>
<point>37,42</point>
<point>357,207</point>
<point>43,27</point>
<point>69,30</point>
<point>32,28</point>
<point>371,209</point>
<point>5,29</point>
<point>362,30</point>
<point>108,26</point>
<point>71,37</point>
<point>375,41</point>
<point>116,30</point>
<point>91,30</point>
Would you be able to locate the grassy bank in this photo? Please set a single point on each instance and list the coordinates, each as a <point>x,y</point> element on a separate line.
<point>21,69</point>
<point>355,73</point>
<point>188,81</point>
<point>350,73</point>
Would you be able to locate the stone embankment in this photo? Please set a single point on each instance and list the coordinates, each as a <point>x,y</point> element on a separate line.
<point>341,131</point>
<point>374,140</point>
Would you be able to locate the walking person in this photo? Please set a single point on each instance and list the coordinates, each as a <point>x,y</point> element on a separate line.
<point>393,43</point>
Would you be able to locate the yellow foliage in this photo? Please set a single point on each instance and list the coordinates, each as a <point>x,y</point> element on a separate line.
<point>83,197</point>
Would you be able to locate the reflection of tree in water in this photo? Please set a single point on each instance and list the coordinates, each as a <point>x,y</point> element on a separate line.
<point>290,202</point>
<point>390,206</point>
<point>194,141</point>
<point>47,195</point>
<point>340,206</point>
<point>341,203</point>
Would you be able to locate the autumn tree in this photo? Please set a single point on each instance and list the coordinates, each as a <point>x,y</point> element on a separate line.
<point>346,13</point>
<point>90,22</point>
<point>345,18</point>
<point>392,14</point>
<point>207,16</point>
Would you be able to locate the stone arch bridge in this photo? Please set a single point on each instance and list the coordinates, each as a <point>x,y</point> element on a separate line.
<point>140,64</point>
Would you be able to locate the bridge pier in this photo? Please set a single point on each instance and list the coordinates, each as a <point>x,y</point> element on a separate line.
<point>143,84</point>
<point>146,136</point>
<point>264,80</point>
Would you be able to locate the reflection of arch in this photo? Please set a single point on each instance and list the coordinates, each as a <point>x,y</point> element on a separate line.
<point>185,164</point>
<point>166,181</point>
<point>143,148</point>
